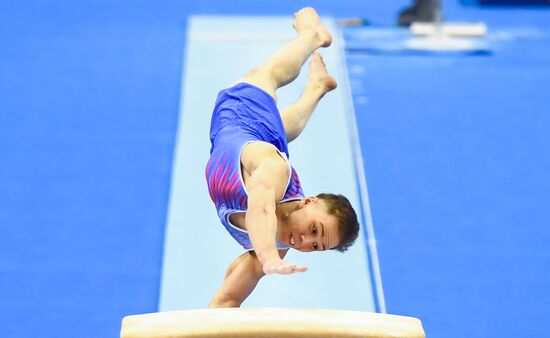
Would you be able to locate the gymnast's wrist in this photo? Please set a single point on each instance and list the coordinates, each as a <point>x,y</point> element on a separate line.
<point>224,303</point>
<point>269,258</point>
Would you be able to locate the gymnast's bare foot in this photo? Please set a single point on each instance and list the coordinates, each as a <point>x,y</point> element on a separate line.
<point>319,80</point>
<point>307,21</point>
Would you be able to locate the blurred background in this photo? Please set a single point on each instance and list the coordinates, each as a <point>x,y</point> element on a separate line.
<point>455,146</point>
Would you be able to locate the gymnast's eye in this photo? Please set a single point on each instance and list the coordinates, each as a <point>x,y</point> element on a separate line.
<point>314,229</point>
<point>315,246</point>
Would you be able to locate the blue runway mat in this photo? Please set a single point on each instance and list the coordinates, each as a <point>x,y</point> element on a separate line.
<point>193,225</point>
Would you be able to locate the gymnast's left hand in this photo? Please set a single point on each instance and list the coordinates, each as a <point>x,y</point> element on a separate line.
<point>282,267</point>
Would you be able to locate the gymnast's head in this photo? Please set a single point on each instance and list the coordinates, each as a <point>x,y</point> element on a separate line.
<point>322,222</point>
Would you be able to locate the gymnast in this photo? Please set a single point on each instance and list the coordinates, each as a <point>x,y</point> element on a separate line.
<point>256,192</point>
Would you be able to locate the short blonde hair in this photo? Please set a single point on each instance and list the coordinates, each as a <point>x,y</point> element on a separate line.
<point>348,225</point>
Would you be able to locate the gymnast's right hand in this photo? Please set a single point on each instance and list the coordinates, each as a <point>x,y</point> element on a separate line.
<point>280,266</point>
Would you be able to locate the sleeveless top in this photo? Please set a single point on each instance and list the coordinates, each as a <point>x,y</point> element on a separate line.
<point>243,114</point>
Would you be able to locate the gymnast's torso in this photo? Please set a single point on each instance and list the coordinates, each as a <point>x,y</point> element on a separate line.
<point>243,114</point>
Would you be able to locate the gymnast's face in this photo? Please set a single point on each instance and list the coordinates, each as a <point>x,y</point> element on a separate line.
<point>310,227</point>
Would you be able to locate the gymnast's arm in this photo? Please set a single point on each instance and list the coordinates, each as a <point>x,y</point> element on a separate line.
<point>240,280</point>
<point>266,185</point>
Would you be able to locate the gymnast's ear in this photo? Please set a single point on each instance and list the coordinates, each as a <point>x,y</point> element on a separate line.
<point>308,200</point>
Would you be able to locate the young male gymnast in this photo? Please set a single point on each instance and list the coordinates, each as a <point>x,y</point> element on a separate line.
<point>256,192</point>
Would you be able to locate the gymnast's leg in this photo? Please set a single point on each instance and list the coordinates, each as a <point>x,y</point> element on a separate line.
<point>284,65</point>
<point>319,82</point>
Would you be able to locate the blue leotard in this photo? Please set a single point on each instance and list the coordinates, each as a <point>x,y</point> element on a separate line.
<point>243,113</point>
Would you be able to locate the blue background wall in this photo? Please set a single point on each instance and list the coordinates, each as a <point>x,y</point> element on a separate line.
<point>455,151</point>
